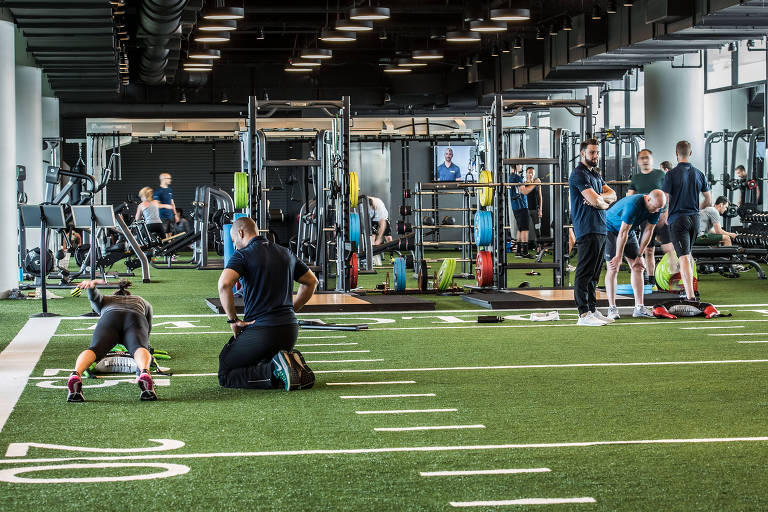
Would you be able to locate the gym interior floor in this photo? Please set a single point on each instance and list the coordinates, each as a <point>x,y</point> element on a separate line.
<point>641,415</point>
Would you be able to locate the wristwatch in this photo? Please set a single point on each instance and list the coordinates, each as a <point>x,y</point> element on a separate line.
<point>232,321</point>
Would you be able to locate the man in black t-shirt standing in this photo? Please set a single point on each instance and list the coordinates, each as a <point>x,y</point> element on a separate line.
<point>260,355</point>
<point>682,186</point>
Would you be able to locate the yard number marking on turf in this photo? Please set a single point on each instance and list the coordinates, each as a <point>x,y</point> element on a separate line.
<point>11,475</point>
<point>21,449</point>
<point>405,395</point>
<point>105,383</point>
<point>485,472</point>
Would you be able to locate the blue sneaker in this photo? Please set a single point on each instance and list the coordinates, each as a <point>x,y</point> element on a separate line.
<point>284,369</point>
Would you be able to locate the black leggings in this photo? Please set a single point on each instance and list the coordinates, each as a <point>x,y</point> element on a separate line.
<point>245,361</point>
<point>130,329</point>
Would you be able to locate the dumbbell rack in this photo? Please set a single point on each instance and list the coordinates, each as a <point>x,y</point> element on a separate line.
<point>754,232</point>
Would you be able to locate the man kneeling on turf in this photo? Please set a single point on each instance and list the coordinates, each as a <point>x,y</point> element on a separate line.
<point>621,219</point>
<point>260,355</point>
<point>125,319</point>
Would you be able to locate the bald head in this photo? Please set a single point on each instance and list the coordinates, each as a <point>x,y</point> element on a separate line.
<point>655,200</point>
<point>243,230</point>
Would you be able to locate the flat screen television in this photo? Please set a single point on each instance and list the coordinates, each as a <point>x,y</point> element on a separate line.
<point>454,163</point>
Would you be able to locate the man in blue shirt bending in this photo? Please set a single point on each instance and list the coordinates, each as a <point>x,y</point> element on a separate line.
<point>448,171</point>
<point>682,186</point>
<point>260,355</point>
<point>590,197</point>
<point>621,221</point>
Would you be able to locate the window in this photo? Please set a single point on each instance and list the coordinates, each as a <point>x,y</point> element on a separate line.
<point>719,68</point>
<point>751,63</point>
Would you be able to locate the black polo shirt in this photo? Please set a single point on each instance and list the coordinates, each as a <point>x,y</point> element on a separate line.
<point>267,272</point>
<point>586,219</point>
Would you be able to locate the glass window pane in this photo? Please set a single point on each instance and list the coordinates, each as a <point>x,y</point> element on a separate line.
<point>718,68</point>
<point>751,64</point>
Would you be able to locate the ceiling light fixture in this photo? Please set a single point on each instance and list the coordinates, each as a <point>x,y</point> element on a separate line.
<point>732,46</point>
<point>182,97</point>
<point>495,51</point>
<point>427,54</point>
<point>316,53</point>
<point>487,26</point>
<point>612,7</point>
<point>410,63</point>
<point>354,25</point>
<point>553,29</point>
<point>396,69</point>
<point>567,23</point>
<point>505,47</point>
<point>224,97</point>
<point>597,14</point>
<point>369,13</point>
<point>217,26</point>
<point>462,36</point>
<point>300,63</point>
<point>212,37</point>
<point>204,53</point>
<point>199,64</point>
<point>260,34</point>
<point>382,34</point>
<point>336,36</point>
<point>518,43</point>
<point>222,12</point>
<point>197,70</point>
<point>510,14</point>
<point>291,69</point>
<point>629,3</point>
<point>539,33</point>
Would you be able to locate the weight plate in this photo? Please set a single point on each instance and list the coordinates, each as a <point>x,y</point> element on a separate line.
<point>399,272</point>
<point>486,193</point>
<point>354,190</point>
<point>483,228</point>
<point>354,228</point>
<point>484,268</point>
<point>241,190</point>
<point>423,275</point>
<point>445,274</point>
<point>353,271</point>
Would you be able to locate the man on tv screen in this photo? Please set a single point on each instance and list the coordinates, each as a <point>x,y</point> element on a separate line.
<point>448,171</point>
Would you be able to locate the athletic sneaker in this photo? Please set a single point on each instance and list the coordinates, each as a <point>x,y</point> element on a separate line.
<point>597,314</point>
<point>306,375</point>
<point>75,388</point>
<point>147,387</point>
<point>590,320</point>
<point>286,369</point>
<point>643,312</point>
<point>613,313</point>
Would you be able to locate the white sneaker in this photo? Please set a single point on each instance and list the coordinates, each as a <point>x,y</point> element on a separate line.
<point>597,314</point>
<point>613,313</point>
<point>643,312</point>
<point>590,320</point>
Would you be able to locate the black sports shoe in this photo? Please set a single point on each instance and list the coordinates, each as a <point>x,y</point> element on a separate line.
<point>75,388</point>
<point>285,368</point>
<point>147,387</point>
<point>306,375</point>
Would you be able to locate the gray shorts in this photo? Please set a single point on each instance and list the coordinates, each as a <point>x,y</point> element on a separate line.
<point>631,248</point>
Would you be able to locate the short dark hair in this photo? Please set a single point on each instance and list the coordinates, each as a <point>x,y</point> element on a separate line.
<point>530,167</point>
<point>646,149</point>
<point>588,142</point>
<point>666,164</point>
<point>721,200</point>
<point>741,167</point>
<point>683,148</point>
<point>180,212</point>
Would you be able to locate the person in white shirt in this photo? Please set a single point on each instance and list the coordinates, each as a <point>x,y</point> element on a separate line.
<point>380,230</point>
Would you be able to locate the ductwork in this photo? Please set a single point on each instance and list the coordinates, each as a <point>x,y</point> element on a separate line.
<point>159,21</point>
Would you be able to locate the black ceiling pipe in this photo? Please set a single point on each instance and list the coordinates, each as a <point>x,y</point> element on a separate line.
<point>159,21</point>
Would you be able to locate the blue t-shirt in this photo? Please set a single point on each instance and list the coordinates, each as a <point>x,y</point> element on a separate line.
<point>267,272</point>
<point>517,200</point>
<point>165,196</point>
<point>586,219</point>
<point>452,173</point>
<point>683,184</point>
<point>632,210</point>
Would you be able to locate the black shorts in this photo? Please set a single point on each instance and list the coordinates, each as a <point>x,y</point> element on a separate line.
<point>660,233</point>
<point>375,228</point>
<point>130,329</point>
<point>683,232</point>
<point>631,248</point>
<point>522,219</point>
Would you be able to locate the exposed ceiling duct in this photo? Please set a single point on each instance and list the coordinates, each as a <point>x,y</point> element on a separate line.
<point>159,28</point>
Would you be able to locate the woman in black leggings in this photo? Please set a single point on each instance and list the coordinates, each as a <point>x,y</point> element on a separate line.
<point>123,318</point>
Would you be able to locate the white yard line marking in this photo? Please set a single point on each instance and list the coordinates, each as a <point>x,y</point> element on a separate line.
<point>19,359</point>
<point>541,324</point>
<point>435,427</point>
<point>753,341</point>
<point>741,334</point>
<point>524,501</point>
<point>340,352</point>
<point>717,327</point>
<point>323,344</point>
<point>395,449</point>
<point>404,395</point>
<point>406,411</point>
<point>524,366</point>
<point>372,383</point>
<point>485,472</point>
<point>347,361</point>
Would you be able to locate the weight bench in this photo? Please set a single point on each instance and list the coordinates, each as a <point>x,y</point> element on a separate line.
<point>724,258</point>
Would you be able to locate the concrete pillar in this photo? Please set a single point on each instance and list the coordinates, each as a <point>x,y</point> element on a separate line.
<point>9,274</point>
<point>29,137</point>
<point>674,104</point>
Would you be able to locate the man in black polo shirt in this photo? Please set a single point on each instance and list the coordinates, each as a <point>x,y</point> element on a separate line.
<point>590,197</point>
<point>682,186</point>
<point>260,355</point>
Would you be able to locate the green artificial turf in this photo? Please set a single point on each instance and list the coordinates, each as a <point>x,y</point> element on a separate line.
<point>550,404</point>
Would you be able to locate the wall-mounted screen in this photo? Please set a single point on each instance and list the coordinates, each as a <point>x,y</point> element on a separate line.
<point>454,163</point>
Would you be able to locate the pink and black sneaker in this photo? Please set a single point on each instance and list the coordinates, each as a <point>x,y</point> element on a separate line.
<point>146,386</point>
<point>75,388</point>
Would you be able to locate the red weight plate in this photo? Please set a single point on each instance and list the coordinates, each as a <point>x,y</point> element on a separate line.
<point>484,268</point>
<point>353,271</point>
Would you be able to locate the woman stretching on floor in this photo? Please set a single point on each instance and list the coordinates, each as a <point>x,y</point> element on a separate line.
<point>125,319</point>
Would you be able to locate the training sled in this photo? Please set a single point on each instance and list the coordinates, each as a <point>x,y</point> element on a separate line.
<point>550,298</point>
<point>345,303</point>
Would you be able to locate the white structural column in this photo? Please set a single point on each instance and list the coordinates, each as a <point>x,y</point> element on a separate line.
<point>674,104</point>
<point>29,137</point>
<point>9,274</point>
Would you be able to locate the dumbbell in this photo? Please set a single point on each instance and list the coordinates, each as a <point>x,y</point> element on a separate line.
<point>406,193</point>
<point>405,210</point>
<point>448,221</point>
